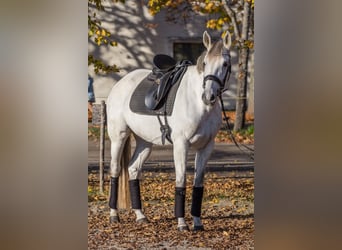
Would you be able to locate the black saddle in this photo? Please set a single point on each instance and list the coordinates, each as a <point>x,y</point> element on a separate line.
<point>165,73</point>
<point>156,93</point>
<point>163,62</point>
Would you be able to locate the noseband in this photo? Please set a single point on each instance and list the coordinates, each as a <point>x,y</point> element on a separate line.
<point>213,78</point>
<point>218,80</point>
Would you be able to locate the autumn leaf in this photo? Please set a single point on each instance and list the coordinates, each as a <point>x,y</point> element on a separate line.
<point>223,230</point>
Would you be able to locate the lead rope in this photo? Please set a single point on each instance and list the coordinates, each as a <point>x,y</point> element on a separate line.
<point>251,155</point>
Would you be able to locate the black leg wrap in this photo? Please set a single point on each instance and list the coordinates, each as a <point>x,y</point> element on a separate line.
<point>134,188</point>
<point>197,195</point>
<point>114,181</point>
<point>180,202</point>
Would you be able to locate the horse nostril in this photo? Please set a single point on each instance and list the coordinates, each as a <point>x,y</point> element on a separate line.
<point>208,100</point>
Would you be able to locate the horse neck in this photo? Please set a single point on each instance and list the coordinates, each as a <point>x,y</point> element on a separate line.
<point>193,84</point>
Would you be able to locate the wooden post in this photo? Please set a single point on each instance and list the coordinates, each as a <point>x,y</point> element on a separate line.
<point>102,144</point>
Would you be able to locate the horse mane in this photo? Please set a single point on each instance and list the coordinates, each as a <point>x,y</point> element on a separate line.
<point>199,64</point>
<point>216,49</point>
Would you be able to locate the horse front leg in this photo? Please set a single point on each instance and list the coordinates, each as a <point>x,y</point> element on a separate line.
<point>202,157</point>
<point>180,151</point>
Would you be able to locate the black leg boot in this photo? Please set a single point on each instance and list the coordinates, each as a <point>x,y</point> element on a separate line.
<point>196,205</point>
<point>134,187</point>
<point>113,199</point>
<point>180,206</point>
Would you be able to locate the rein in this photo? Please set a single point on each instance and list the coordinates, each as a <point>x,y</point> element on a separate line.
<point>229,130</point>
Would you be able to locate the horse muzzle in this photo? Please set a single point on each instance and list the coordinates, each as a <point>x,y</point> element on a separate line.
<point>208,96</point>
<point>209,99</point>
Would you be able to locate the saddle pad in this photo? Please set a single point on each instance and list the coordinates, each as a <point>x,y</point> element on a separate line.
<point>137,102</point>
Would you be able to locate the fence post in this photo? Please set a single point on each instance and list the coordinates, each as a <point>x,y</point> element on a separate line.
<point>102,144</point>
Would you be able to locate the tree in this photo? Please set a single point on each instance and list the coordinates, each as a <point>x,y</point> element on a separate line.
<point>99,36</point>
<point>234,16</point>
<point>241,35</point>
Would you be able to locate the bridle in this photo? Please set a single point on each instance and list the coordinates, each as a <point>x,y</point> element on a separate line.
<point>218,80</point>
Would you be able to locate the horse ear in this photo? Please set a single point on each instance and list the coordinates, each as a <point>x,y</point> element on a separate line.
<point>206,40</point>
<point>227,40</point>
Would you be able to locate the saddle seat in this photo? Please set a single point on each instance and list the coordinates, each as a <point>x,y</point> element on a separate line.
<point>165,73</point>
<point>163,62</point>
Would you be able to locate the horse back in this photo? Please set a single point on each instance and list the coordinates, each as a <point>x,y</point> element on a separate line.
<point>125,86</point>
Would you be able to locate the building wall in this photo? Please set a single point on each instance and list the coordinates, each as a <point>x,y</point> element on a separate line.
<point>141,36</point>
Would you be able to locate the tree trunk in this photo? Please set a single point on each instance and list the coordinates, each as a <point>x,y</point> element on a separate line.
<point>250,108</point>
<point>242,74</point>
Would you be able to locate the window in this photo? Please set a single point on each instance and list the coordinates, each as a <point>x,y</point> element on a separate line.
<point>187,50</point>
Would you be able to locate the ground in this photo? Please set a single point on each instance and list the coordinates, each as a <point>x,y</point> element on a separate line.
<point>227,215</point>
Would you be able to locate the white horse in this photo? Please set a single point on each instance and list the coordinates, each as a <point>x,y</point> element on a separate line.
<point>195,121</point>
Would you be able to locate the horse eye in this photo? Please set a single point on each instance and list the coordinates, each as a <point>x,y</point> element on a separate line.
<point>225,64</point>
<point>203,64</point>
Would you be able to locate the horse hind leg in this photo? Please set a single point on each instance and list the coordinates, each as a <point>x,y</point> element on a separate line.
<point>141,154</point>
<point>118,140</point>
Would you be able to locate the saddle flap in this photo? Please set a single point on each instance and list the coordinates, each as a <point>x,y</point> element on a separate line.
<point>151,98</point>
<point>157,92</point>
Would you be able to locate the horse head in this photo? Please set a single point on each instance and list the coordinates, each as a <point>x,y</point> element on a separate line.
<point>215,64</point>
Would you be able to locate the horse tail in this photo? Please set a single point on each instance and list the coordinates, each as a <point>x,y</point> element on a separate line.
<point>124,200</point>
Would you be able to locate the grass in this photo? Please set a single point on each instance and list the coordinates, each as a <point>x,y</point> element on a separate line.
<point>249,131</point>
<point>94,132</point>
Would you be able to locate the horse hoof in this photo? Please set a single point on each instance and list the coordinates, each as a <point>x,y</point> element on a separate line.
<point>198,228</point>
<point>114,219</point>
<point>142,220</point>
<point>183,228</point>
